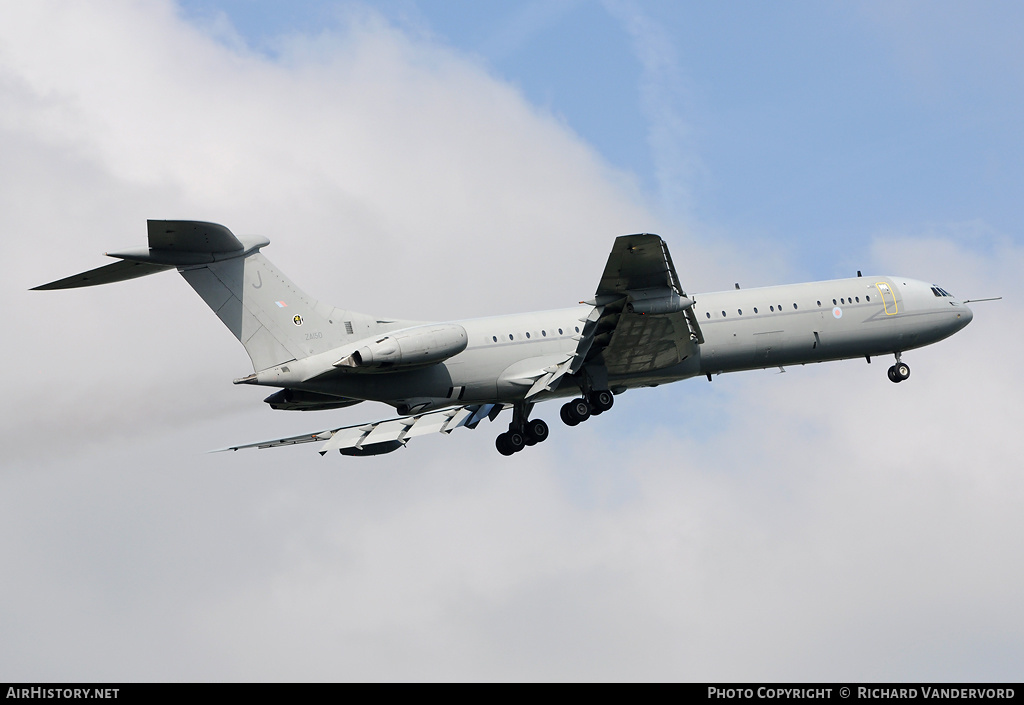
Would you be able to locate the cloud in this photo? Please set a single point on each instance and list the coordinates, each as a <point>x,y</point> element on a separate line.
<point>818,524</point>
<point>663,102</point>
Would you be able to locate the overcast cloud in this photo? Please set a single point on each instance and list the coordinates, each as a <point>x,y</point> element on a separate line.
<point>813,525</point>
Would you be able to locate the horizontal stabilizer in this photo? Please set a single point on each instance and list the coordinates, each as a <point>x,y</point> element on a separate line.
<point>172,243</point>
<point>117,272</point>
<point>191,236</point>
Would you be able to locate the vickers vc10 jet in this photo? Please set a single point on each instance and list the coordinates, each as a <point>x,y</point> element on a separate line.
<point>641,329</point>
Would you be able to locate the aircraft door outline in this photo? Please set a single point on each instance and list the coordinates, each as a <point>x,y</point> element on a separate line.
<point>888,298</point>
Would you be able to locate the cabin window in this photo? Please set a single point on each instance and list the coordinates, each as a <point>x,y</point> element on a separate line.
<point>819,303</point>
<point>755,309</point>
<point>560,331</point>
<point>867,298</point>
<point>494,338</point>
<point>739,311</point>
<point>709,314</point>
<point>544,333</point>
<point>772,308</point>
<point>794,306</point>
<point>834,302</point>
<point>723,314</point>
<point>857,299</point>
<point>577,329</point>
<point>510,336</point>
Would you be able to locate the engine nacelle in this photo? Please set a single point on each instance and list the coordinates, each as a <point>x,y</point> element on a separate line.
<point>671,303</point>
<point>412,347</point>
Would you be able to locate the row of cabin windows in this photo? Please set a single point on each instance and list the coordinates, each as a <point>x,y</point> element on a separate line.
<point>772,308</point>
<point>544,333</point>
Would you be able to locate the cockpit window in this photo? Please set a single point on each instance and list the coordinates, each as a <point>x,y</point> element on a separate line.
<point>939,291</point>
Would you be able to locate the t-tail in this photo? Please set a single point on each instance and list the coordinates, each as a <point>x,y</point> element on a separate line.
<point>275,320</point>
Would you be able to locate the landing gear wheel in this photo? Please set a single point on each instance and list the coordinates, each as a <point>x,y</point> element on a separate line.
<point>899,372</point>
<point>509,442</point>
<point>501,443</point>
<point>515,441</point>
<point>566,415</point>
<point>579,410</point>
<point>600,401</point>
<point>536,431</point>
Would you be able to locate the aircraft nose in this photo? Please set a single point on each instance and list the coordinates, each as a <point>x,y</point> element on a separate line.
<point>964,316</point>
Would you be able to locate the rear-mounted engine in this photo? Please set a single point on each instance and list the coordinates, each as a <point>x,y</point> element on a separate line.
<point>412,347</point>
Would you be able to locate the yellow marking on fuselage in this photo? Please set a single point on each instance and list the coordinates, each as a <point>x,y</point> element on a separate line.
<point>883,289</point>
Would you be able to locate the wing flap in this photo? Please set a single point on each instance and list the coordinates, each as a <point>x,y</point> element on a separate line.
<point>400,429</point>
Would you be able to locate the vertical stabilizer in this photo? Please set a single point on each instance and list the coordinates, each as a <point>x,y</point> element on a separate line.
<point>274,319</point>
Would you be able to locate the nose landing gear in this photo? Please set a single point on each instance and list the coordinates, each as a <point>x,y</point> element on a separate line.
<point>900,371</point>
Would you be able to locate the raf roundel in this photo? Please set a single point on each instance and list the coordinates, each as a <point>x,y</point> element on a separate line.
<point>836,312</point>
<point>297,320</point>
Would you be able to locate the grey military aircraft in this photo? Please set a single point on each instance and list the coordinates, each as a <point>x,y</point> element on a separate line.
<point>641,329</point>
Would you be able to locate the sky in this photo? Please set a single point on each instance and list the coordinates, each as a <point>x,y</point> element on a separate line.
<point>440,160</point>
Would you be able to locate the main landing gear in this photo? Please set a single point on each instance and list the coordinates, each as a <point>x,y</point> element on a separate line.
<point>900,371</point>
<point>522,431</point>
<point>579,410</point>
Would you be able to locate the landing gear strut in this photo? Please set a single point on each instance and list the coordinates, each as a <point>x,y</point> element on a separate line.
<point>522,431</point>
<point>900,371</point>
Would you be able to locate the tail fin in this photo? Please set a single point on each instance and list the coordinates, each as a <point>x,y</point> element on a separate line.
<point>274,319</point>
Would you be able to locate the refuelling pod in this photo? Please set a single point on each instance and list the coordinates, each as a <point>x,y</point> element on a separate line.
<point>412,347</point>
<point>661,301</point>
<point>373,449</point>
<point>301,400</point>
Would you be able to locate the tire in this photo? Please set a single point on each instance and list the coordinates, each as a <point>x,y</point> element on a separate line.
<point>600,401</point>
<point>579,410</point>
<point>501,443</point>
<point>536,431</point>
<point>515,441</point>
<point>567,418</point>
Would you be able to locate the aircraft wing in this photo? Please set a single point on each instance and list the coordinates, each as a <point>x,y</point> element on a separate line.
<point>388,435</point>
<point>642,319</point>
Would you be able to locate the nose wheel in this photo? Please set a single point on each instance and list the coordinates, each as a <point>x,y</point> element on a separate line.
<point>899,372</point>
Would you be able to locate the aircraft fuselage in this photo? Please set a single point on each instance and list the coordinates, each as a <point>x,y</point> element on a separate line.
<point>743,329</point>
